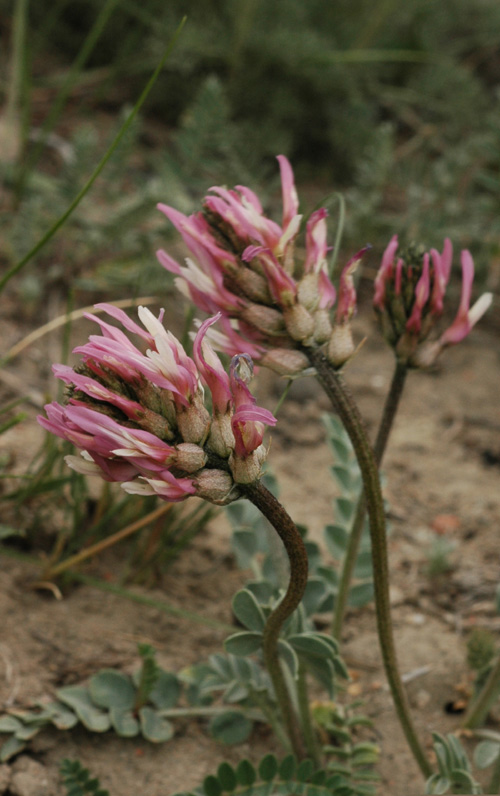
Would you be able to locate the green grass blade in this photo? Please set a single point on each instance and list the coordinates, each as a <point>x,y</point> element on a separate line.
<point>123,130</point>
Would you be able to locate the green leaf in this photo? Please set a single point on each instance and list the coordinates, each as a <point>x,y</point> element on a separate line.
<point>230,727</point>
<point>60,716</point>
<point>289,657</point>
<point>111,689</point>
<point>78,698</point>
<point>336,538</point>
<point>124,722</point>
<point>311,645</point>
<point>343,477</point>
<point>486,753</point>
<point>10,748</point>
<point>227,777</point>
<point>262,590</point>
<point>314,595</point>
<point>437,785</point>
<point>305,770</point>
<point>245,546</point>
<point>244,643</point>
<point>154,728</point>
<point>248,611</point>
<point>287,768</point>
<point>211,786</point>
<point>10,724</point>
<point>246,773</point>
<point>345,509</point>
<point>268,768</point>
<point>166,690</point>
<point>360,594</point>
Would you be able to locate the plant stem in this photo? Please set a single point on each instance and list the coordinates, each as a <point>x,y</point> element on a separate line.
<point>494,784</point>
<point>274,512</point>
<point>349,562</point>
<point>480,706</point>
<point>305,716</point>
<point>348,411</point>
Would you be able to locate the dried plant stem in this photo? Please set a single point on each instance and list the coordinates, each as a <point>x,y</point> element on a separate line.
<point>480,706</point>
<point>98,547</point>
<point>356,532</point>
<point>274,512</point>
<point>348,411</point>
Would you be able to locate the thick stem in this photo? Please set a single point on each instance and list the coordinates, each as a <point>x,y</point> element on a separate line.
<point>349,413</point>
<point>479,708</point>
<point>274,512</point>
<point>349,562</point>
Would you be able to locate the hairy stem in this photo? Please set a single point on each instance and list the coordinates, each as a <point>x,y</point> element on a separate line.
<point>480,706</point>
<point>274,512</point>
<point>348,411</point>
<point>356,532</point>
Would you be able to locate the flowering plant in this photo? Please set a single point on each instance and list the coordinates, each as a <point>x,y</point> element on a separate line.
<point>139,415</point>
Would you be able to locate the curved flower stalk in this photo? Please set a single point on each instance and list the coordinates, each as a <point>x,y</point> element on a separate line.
<point>409,297</point>
<point>245,267</point>
<point>140,418</point>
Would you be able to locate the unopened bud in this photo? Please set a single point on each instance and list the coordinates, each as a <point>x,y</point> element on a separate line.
<point>190,458</point>
<point>299,322</point>
<point>249,469</point>
<point>154,423</point>
<point>285,361</point>
<point>194,421</point>
<point>322,326</point>
<point>308,291</point>
<point>341,345</point>
<point>216,486</point>
<point>254,286</point>
<point>265,319</point>
<point>221,437</point>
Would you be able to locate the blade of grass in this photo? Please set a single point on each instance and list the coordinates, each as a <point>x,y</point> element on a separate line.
<point>135,110</point>
<point>58,104</point>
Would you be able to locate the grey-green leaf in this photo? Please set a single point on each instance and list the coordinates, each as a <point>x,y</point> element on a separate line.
<point>230,727</point>
<point>248,611</point>
<point>244,643</point>
<point>111,689</point>
<point>154,728</point>
<point>124,722</point>
<point>486,753</point>
<point>10,748</point>
<point>78,698</point>
<point>166,691</point>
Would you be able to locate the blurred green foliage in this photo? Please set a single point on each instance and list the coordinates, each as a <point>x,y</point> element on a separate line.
<point>394,103</point>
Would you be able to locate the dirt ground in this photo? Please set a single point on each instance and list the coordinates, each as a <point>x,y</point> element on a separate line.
<point>442,469</point>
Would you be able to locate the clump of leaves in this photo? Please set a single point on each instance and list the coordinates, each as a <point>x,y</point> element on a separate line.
<point>129,705</point>
<point>78,780</point>
<point>279,778</point>
<point>455,773</point>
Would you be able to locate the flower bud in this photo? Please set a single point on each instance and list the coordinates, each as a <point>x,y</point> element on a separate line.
<point>194,421</point>
<point>190,458</point>
<point>285,361</point>
<point>341,345</point>
<point>299,322</point>
<point>249,469</point>
<point>216,486</point>
<point>265,319</point>
<point>308,291</point>
<point>221,437</point>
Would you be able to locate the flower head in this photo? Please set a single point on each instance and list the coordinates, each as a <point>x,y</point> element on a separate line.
<point>409,297</point>
<point>245,267</point>
<point>139,416</point>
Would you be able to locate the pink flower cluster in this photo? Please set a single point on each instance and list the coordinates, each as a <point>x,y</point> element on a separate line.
<point>245,267</point>
<point>409,299</point>
<point>139,417</point>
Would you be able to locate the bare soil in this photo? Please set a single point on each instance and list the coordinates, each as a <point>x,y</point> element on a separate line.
<point>442,475</point>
